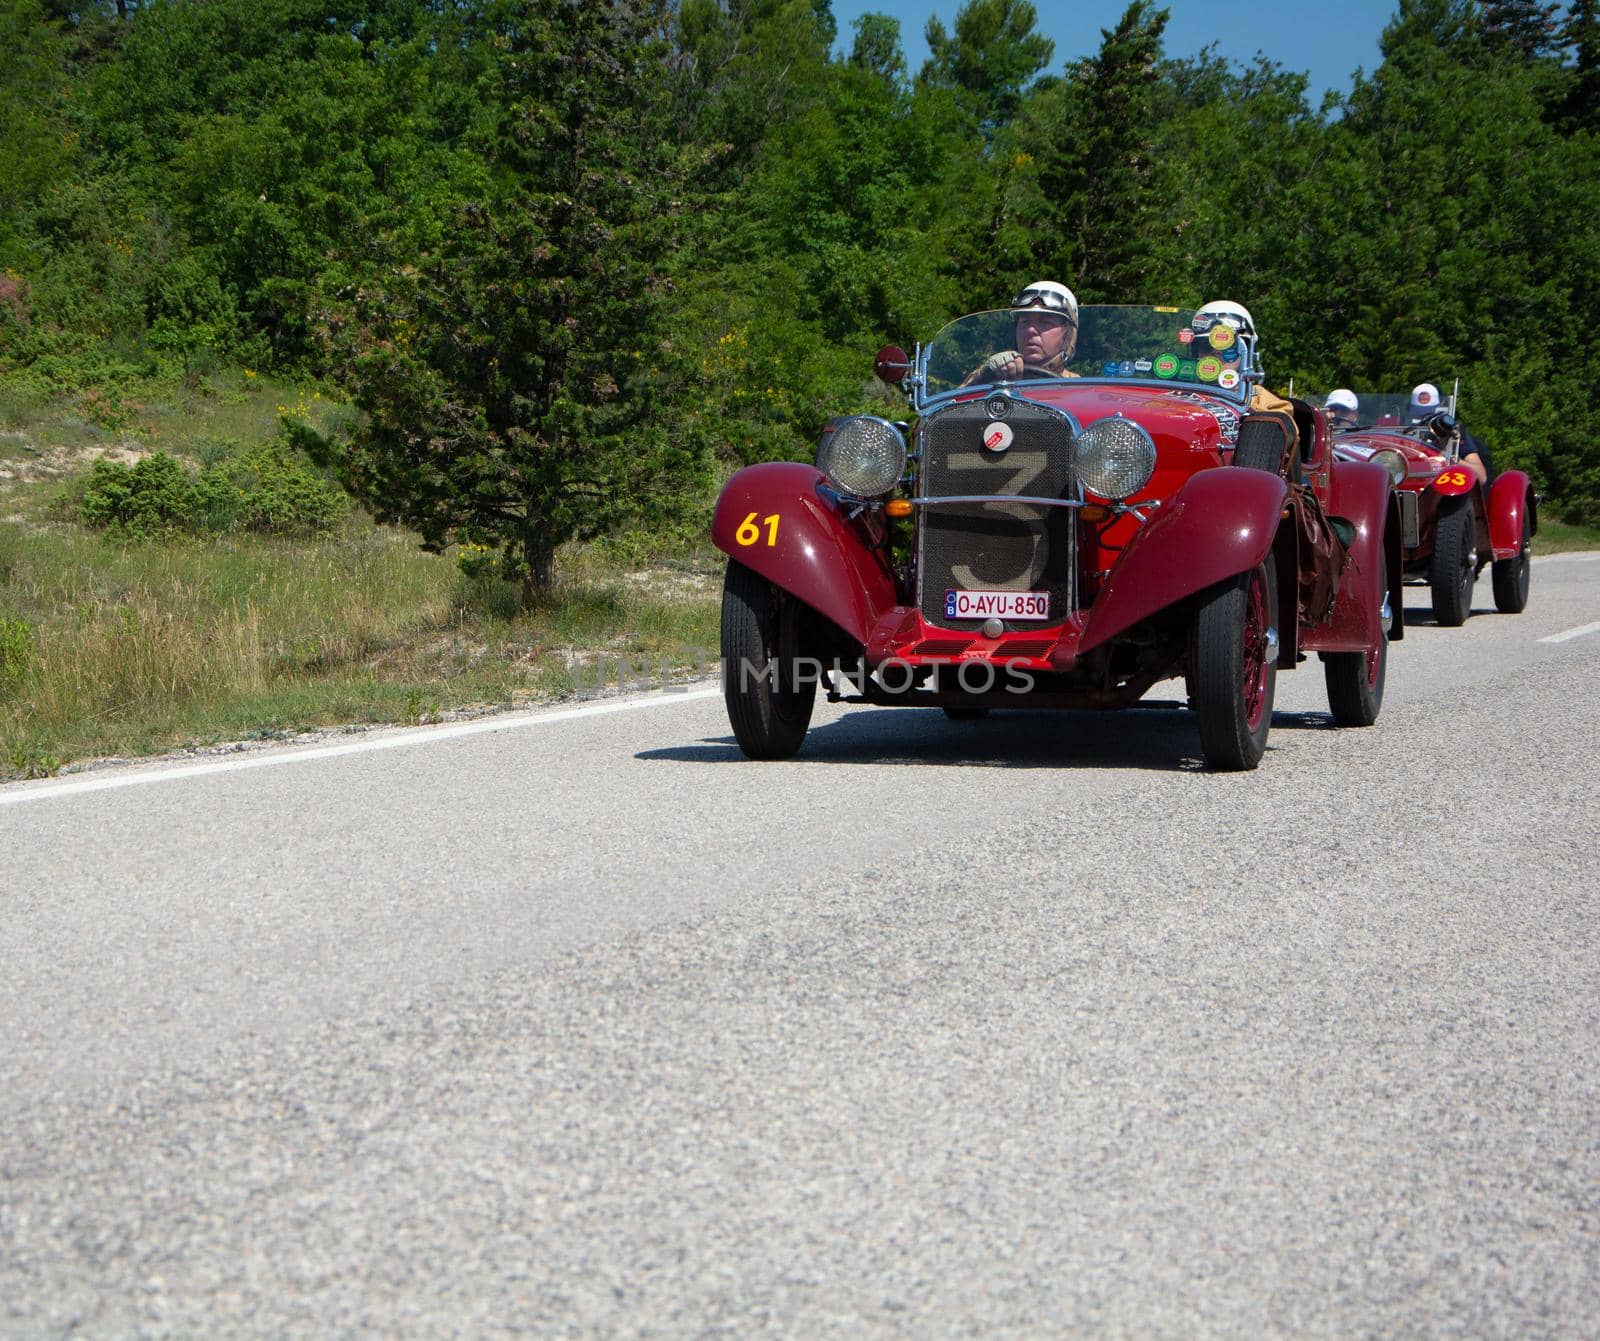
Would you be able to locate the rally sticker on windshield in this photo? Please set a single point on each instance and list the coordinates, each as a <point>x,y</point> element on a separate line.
<point>997,604</point>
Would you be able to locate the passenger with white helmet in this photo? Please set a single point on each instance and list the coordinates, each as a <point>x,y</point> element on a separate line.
<point>1237,316</point>
<point>1344,410</point>
<point>1046,317</point>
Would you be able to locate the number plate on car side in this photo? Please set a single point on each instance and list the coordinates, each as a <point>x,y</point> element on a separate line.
<point>999,604</point>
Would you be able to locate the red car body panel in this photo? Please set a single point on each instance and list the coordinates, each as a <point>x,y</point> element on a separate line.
<point>1219,524</point>
<point>819,554</point>
<point>1361,496</point>
<point>1511,513</point>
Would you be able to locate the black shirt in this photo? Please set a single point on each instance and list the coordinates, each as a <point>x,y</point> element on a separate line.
<point>1470,443</point>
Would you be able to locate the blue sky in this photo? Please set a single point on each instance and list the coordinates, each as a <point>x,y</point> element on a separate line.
<point>1327,40</point>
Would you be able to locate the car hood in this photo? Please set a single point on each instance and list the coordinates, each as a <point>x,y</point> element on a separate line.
<point>1179,419</point>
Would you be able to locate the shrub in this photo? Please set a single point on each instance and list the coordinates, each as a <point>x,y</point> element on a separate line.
<point>269,490</point>
<point>153,497</point>
<point>275,491</point>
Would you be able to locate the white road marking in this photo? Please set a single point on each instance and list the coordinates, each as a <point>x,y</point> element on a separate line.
<point>425,735</point>
<point>1577,556</point>
<point>1567,635</point>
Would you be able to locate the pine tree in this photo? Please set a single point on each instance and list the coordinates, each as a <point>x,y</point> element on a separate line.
<point>504,372</point>
<point>1093,139</point>
<point>990,58</point>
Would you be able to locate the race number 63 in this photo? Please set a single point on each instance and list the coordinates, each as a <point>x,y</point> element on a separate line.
<point>749,533</point>
<point>1454,481</point>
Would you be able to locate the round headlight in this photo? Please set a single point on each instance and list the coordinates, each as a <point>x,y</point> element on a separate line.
<point>1391,461</point>
<point>864,456</point>
<point>1115,457</point>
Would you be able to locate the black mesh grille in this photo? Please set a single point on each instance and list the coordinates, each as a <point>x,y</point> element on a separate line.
<point>1263,436</point>
<point>1410,532</point>
<point>995,546</point>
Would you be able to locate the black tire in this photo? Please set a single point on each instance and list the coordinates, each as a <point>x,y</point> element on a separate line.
<point>1511,581</point>
<point>769,703</point>
<point>1452,571</point>
<point>965,714</point>
<point>1233,669</point>
<point>1355,679</point>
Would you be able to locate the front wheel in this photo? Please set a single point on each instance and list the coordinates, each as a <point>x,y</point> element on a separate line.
<point>1511,580</point>
<point>1355,679</point>
<point>769,698</point>
<point>1233,667</point>
<point>1453,569</point>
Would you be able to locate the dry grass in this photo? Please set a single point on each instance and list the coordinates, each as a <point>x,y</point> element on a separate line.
<point>135,648</point>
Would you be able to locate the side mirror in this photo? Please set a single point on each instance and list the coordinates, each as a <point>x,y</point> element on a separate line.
<point>892,365</point>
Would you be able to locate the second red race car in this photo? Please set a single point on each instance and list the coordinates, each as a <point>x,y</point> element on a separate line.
<point>1452,524</point>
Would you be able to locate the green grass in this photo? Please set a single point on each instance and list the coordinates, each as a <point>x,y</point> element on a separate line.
<point>1554,536</point>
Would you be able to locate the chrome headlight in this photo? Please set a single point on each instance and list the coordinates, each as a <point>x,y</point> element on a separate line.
<point>1391,461</point>
<point>864,456</point>
<point>1115,457</point>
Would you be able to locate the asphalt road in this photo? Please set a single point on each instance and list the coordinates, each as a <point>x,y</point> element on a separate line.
<point>576,1024</point>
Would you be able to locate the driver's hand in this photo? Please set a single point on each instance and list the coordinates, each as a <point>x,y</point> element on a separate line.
<point>1007,363</point>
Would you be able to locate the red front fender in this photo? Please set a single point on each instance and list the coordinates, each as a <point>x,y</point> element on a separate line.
<point>1363,496</point>
<point>1219,524</point>
<point>811,550</point>
<point>1511,513</point>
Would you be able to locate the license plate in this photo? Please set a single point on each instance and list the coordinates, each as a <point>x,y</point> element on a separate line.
<point>997,604</point>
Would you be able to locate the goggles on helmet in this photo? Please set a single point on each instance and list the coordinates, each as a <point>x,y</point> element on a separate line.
<point>1048,299</point>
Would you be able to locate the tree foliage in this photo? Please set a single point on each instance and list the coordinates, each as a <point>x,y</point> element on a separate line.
<point>568,254</point>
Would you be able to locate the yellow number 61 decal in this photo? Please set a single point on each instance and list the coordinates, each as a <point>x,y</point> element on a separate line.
<point>749,533</point>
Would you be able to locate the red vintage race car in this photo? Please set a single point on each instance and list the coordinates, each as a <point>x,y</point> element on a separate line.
<point>1061,539</point>
<point>1451,524</point>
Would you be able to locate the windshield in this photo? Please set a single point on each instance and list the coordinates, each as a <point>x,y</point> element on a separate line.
<point>1385,409</point>
<point>1165,345</point>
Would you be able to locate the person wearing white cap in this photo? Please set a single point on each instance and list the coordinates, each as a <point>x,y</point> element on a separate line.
<point>1344,410</point>
<point>1474,452</point>
<point>1424,402</point>
<point>1046,316</point>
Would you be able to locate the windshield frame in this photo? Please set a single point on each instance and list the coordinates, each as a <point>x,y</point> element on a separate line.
<point>923,399</point>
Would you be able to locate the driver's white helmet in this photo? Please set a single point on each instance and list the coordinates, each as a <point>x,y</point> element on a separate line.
<point>1045,295</point>
<point>1236,315</point>
<point>1342,399</point>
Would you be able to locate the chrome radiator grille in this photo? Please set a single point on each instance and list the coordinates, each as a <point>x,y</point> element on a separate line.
<point>995,546</point>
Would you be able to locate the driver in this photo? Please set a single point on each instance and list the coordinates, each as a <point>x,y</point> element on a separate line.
<point>1344,410</point>
<point>1426,407</point>
<point>1046,317</point>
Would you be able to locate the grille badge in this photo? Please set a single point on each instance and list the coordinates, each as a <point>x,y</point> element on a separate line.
<point>997,437</point>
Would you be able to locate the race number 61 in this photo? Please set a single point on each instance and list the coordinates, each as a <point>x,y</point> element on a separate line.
<point>748,533</point>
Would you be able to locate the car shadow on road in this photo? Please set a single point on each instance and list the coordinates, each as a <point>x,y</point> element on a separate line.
<point>1163,740</point>
<point>1421,616</point>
